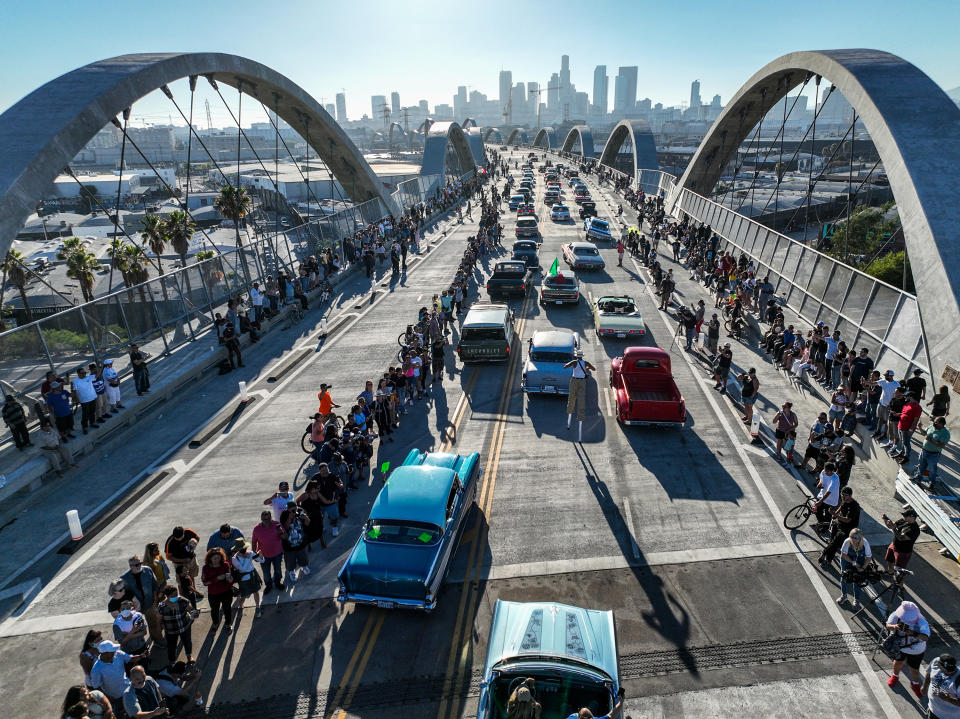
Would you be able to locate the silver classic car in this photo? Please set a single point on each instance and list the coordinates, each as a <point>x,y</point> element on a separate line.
<point>548,352</point>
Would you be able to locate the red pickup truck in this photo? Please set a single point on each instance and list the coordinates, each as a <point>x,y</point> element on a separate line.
<point>644,388</point>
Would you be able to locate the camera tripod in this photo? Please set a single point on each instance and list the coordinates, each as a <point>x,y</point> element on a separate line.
<point>893,593</point>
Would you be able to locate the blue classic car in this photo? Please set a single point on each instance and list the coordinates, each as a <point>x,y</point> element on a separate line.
<point>597,229</point>
<point>544,372</point>
<point>408,543</point>
<point>570,653</point>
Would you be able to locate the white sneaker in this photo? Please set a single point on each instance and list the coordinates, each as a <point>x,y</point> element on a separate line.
<point>335,531</point>
<point>305,570</point>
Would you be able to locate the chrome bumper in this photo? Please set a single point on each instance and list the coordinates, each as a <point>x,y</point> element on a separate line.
<point>386,602</point>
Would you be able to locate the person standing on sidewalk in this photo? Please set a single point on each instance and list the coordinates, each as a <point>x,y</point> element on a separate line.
<point>909,418</point>
<point>147,591</point>
<point>16,419</point>
<point>937,437</point>
<point>58,400</point>
<point>112,380</point>
<point>51,443</point>
<point>784,422</point>
<point>267,542</point>
<point>906,531</point>
<point>749,388</point>
<point>85,395</point>
<point>141,373</point>
<point>177,616</point>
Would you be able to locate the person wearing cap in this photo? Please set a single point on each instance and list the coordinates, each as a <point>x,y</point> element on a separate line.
<point>522,704</point>
<point>100,387</point>
<point>941,684</point>
<point>112,380</point>
<point>278,500</point>
<point>893,424</point>
<point>910,633</point>
<point>244,562</point>
<point>887,387</point>
<point>909,418</point>
<point>906,531</point>
<point>109,672</point>
<point>295,521</point>
<point>784,422</point>
<point>937,437</point>
<point>225,538</point>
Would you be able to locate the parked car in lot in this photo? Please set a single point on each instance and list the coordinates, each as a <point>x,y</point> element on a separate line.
<point>644,388</point>
<point>409,541</point>
<point>588,208</point>
<point>486,334</point>
<point>510,277</point>
<point>559,289</point>
<point>597,229</point>
<point>547,353</point>
<point>618,316</point>
<point>582,256</point>
<point>559,213</point>
<point>570,654</point>
<point>526,251</point>
<point>527,227</point>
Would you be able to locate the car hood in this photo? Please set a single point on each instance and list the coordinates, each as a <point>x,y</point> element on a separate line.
<point>388,570</point>
<point>532,630</point>
<point>543,371</point>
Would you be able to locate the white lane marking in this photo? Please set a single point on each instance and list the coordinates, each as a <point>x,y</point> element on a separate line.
<point>607,392</point>
<point>80,559</point>
<point>628,517</point>
<point>876,688</point>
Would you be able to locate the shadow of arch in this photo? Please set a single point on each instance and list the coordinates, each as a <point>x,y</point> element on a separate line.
<point>492,132</point>
<point>585,136</point>
<point>644,147</point>
<point>518,135</point>
<point>469,122</point>
<point>915,128</point>
<point>475,140</point>
<point>546,137</point>
<point>441,136</point>
<point>43,132</point>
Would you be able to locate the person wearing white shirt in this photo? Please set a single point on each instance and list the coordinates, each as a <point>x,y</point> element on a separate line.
<point>911,632</point>
<point>256,298</point>
<point>887,387</point>
<point>854,554</point>
<point>942,687</point>
<point>577,399</point>
<point>829,495</point>
<point>112,379</point>
<point>85,395</point>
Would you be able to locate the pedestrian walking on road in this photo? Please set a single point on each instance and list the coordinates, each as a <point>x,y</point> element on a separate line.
<point>577,400</point>
<point>620,250</point>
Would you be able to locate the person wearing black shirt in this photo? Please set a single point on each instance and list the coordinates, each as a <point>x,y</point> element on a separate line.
<point>845,517</point>
<point>895,407</point>
<point>722,371</point>
<point>905,534</point>
<point>862,366</point>
<point>917,385</point>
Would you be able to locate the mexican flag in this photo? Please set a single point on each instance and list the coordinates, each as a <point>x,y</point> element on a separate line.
<point>554,268</point>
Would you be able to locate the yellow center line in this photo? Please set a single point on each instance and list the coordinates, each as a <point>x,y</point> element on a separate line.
<point>357,653</point>
<point>361,667</point>
<point>460,640</point>
<point>459,412</point>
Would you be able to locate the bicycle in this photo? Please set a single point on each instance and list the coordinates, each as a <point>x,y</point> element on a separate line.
<point>326,290</point>
<point>798,516</point>
<point>306,442</point>
<point>734,327</point>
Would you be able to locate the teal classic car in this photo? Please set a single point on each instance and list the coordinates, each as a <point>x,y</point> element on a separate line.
<point>408,542</point>
<point>569,652</point>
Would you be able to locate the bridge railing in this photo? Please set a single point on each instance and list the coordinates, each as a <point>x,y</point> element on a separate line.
<point>818,288</point>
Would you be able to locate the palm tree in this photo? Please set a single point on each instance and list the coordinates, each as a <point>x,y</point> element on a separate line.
<point>117,260</point>
<point>135,262</point>
<point>13,266</point>
<point>179,230</point>
<point>154,235</point>
<point>234,203</point>
<point>208,270</point>
<point>80,266</point>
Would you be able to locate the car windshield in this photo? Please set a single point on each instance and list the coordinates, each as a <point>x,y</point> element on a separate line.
<point>388,532</point>
<point>557,690</point>
<point>560,208</point>
<point>621,306</point>
<point>527,222</point>
<point>557,281</point>
<point>551,355</point>
<point>600,225</point>
<point>524,246</point>
<point>586,251</point>
<point>481,334</point>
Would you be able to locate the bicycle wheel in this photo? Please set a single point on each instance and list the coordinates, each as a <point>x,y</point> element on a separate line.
<point>305,444</point>
<point>797,516</point>
<point>402,339</point>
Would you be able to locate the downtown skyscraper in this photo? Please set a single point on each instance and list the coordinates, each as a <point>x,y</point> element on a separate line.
<point>601,84</point>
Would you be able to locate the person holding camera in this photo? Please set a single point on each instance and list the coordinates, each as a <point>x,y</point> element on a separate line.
<point>855,555</point>
<point>295,521</point>
<point>906,531</point>
<point>909,633</point>
<point>942,687</point>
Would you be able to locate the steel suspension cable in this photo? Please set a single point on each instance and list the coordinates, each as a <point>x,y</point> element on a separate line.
<point>813,150</point>
<point>193,130</point>
<point>116,216</point>
<point>853,139</point>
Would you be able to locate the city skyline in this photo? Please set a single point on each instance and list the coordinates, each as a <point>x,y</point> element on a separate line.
<point>336,67</point>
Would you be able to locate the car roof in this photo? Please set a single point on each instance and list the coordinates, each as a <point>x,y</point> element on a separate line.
<point>554,339</point>
<point>486,315</point>
<point>507,264</point>
<point>417,494</point>
<point>582,246</point>
<point>595,220</point>
<point>524,243</point>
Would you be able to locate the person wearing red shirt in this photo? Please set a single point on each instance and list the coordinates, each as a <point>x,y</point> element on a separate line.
<point>268,540</point>
<point>218,579</point>
<point>909,417</point>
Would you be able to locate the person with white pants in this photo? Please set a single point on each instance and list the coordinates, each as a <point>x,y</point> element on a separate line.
<point>577,399</point>
<point>113,386</point>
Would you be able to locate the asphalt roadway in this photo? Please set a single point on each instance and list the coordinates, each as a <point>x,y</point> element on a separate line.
<point>719,610</point>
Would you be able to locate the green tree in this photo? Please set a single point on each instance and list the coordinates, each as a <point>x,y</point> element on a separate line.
<point>13,266</point>
<point>890,269</point>
<point>234,203</point>
<point>154,234</point>
<point>117,260</point>
<point>864,235</point>
<point>179,230</point>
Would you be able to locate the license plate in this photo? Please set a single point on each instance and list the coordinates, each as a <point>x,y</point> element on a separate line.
<point>385,604</point>
<point>550,389</point>
<point>559,302</point>
<point>621,334</point>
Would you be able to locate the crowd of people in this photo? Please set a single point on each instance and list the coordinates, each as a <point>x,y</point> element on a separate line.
<point>155,604</point>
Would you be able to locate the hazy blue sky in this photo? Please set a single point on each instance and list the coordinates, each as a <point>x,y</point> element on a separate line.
<point>424,50</point>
